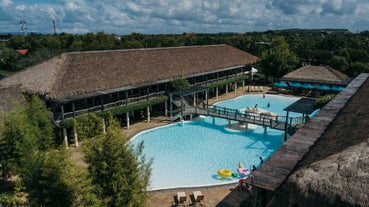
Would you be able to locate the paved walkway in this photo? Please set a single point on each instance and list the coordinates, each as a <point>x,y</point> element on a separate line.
<point>220,196</point>
<point>225,196</point>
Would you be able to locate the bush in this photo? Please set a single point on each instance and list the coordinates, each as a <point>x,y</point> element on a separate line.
<point>321,102</point>
<point>8,200</point>
<point>180,84</point>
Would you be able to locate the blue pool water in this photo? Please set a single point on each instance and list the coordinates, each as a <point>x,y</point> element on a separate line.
<point>190,154</point>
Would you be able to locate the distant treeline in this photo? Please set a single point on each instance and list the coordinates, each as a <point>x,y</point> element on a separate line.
<point>345,51</point>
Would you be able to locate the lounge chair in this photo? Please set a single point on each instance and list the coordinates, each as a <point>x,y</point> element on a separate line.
<point>197,198</point>
<point>180,199</point>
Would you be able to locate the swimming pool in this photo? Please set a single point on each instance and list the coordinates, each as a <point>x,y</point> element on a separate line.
<point>190,154</point>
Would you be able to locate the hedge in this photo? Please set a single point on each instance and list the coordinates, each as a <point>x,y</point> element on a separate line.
<point>118,110</point>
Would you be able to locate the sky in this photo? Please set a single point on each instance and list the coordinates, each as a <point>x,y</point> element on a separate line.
<point>181,16</point>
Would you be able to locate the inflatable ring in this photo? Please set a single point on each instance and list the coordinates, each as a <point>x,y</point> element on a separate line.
<point>225,173</point>
<point>243,171</point>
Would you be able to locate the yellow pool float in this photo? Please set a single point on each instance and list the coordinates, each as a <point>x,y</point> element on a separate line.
<point>225,173</point>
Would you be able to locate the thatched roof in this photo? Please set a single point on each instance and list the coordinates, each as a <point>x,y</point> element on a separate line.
<point>336,170</point>
<point>325,163</point>
<point>9,95</point>
<point>317,74</point>
<point>78,74</point>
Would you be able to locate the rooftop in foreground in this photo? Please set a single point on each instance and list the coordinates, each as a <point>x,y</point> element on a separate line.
<point>275,171</point>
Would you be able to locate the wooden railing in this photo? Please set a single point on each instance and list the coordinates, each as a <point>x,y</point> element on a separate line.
<point>111,105</point>
<point>275,122</point>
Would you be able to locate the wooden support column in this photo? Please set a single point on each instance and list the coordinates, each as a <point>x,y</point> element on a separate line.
<point>73,109</point>
<point>166,108</point>
<point>148,108</point>
<point>126,98</point>
<point>217,92</point>
<point>148,114</point>
<point>65,138</point>
<point>243,84</point>
<point>286,127</point>
<point>75,136</point>
<point>62,112</point>
<point>182,104</point>
<point>104,125</point>
<point>227,89</point>
<point>127,118</point>
<point>170,105</point>
<point>235,87</point>
<point>64,129</point>
<point>207,99</point>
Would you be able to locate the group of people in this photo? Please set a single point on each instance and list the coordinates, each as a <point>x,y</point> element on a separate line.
<point>268,105</point>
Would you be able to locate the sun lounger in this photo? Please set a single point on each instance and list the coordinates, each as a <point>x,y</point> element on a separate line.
<point>197,198</point>
<point>180,199</point>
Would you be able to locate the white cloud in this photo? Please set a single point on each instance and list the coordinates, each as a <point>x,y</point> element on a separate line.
<point>5,3</point>
<point>21,7</point>
<point>71,6</point>
<point>168,16</point>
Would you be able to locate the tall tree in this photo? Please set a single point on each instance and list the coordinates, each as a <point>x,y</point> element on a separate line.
<point>278,60</point>
<point>119,171</point>
<point>46,179</point>
<point>17,141</point>
<point>26,149</point>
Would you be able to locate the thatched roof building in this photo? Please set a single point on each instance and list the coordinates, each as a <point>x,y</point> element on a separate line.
<point>325,163</point>
<point>9,96</point>
<point>335,172</point>
<point>317,74</point>
<point>72,75</point>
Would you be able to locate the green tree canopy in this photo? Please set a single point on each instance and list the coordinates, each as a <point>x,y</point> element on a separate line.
<point>119,172</point>
<point>26,148</point>
<point>47,179</point>
<point>278,60</point>
<point>180,84</point>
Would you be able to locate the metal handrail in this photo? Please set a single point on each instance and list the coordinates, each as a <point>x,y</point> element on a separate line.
<point>277,122</point>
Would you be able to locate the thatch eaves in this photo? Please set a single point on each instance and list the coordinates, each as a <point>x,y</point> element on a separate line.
<point>317,74</point>
<point>335,172</point>
<point>77,74</point>
<point>9,96</point>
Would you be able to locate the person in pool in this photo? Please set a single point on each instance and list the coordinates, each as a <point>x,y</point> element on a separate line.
<point>261,160</point>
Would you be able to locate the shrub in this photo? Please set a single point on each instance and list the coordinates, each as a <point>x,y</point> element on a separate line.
<point>321,102</point>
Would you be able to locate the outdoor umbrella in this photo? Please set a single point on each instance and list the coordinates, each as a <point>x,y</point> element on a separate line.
<point>308,86</point>
<point>296,85</point>
<point>337,88</point>
<point>323,87</point>
<point>280,84</point>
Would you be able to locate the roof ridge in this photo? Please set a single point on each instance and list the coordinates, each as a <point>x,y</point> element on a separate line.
<point>335,72</point>
<point>147,49</point>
